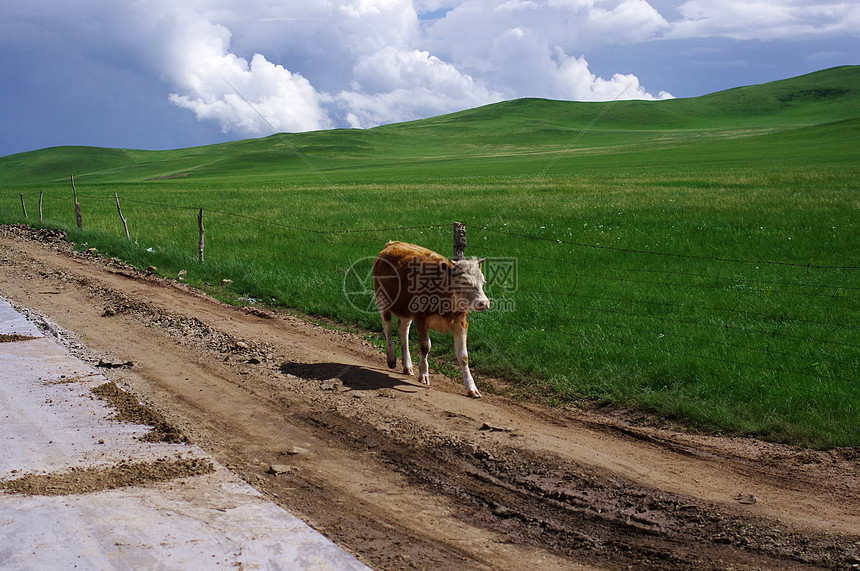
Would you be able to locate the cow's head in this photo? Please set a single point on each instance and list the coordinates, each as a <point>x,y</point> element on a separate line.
<point>467,285</point>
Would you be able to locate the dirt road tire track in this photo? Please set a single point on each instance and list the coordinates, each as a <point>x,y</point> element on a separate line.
<point>405,476</point>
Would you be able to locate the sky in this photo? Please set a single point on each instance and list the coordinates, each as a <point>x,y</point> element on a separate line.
<point>164,74</point>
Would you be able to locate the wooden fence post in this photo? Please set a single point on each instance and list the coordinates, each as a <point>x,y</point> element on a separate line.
<point>24,208</point>
<point>200,246</point>
<point>121,217</point>
<point>459,241</point>
<point>41,192</point>
<point>78,217</point>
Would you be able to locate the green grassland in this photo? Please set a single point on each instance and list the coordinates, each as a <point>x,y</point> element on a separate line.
<point>694,259</point>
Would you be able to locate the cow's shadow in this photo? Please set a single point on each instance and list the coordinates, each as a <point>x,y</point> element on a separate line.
<point>354,377</point>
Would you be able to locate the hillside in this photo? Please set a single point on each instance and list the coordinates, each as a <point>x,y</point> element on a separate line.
<point>510,130</point>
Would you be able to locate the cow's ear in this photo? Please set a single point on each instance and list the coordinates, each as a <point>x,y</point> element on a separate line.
<point>481,262</point>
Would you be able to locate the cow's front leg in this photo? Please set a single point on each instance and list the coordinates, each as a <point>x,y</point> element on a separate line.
<point>424,348</point>
<point>403,324</point>
<point>463,358</point>
<point>390,353</point>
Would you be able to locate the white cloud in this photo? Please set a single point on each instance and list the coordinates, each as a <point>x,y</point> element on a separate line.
<point>262,96</point>
<point>248,98</point>
<point>766,19</point>
<point>187,47</point>
<point>534,47</point>
<point>471,29</point>
<point>393,85</point>
<point>388,69</point>
<point>576,80</point>
<point>313,65</point>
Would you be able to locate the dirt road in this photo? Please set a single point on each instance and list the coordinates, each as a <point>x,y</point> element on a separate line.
<point>407,476</point>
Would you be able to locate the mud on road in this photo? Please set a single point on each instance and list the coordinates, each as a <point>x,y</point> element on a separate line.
<point>405,476</point>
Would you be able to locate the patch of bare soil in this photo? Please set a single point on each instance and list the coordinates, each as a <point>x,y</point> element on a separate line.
<point>87,480</point>
<point>6,338</point>
<point>409,477</point>
<point>129,409</point>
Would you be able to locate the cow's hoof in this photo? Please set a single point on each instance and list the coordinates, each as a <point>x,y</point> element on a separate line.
<point>392,363</point>
<point>409,372</point>
<point>475,394</point>
<point>425,378</point>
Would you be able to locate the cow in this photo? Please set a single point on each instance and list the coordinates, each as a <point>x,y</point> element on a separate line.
<point>417,284</point>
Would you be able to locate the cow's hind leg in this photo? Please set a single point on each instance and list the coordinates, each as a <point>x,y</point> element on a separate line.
<point>424,348</point>
<point>390,353</point>
<point>403,324</point>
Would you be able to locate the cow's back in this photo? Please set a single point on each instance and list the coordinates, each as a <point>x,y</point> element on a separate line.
<point>394,274</point>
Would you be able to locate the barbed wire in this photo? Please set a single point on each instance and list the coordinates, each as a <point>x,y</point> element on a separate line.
<point>521,235</point>
<point>262,220</point>
<point>734,286</point>
<point>733,279</point>
<point>665,318</point>
<point>663,334</point>
<point>668,254</point>
<point>543,293</point>
<point>690,307</point>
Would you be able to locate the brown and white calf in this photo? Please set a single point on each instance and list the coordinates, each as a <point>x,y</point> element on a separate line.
<point>417,284</point>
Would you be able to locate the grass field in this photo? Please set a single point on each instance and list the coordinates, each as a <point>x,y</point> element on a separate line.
<point>695,259</point>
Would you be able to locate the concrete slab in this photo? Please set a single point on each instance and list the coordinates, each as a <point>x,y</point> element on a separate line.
<point>51,423</point>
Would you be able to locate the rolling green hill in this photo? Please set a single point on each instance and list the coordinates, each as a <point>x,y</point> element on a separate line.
<point>515,131</point>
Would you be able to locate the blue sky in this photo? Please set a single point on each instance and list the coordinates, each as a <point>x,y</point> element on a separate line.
<point>159,74</point>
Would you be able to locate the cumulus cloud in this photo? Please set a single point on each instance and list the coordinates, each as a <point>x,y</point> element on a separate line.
<point>187,47</point>
<point>194,57</point>
<point>473,31</point>
<point>535,47</point>
<point>279,100</point>
<point>250,98</point>
<point>385,67</point>
<point>293,65</point>
<point>394,85</point>
<point>765,19</point>
<point>579,83</point>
